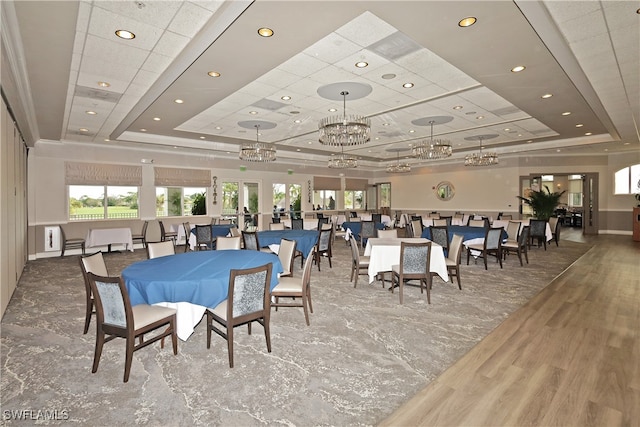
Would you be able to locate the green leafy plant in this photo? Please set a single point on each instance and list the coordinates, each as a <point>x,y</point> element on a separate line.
<point>543,203</point>
<point>199,206</point>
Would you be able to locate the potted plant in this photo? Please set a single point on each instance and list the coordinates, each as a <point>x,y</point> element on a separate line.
<point>543,203</point>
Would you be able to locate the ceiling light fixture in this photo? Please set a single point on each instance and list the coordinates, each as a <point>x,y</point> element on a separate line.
<point>362,64</point>
<point>398,167</point>
<point>257,151</point>
<point>481,158</point>
<point>124,34</point>
<point>265,32</point>
<point>434,149</point>
<point>213,74</point>
<point>467,22</point>
<point>345,130</point>
<point>342,161</point>
<point>518,68</point>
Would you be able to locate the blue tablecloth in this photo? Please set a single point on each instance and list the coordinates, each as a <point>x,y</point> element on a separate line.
<point>355,227</point>
<point>467,232</point>
<point>305,239</point>
<point>200,277</point>
<point>218,230</point>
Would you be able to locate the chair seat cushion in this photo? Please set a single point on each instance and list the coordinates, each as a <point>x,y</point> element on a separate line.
<point>395,268</point>
<point>450,262</point>
<point>145,314</point>
<point>510,245</point>
<point>476,247</point>
<point>220,310</point>
<point>288,285</point>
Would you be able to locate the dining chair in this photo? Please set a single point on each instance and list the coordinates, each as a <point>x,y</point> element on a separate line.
<point>93,263</point>
<point>158,249</point>
<point>142,237</point>
<point>416,227</point>
<point>322,221</point>
<point>434,215</point>
<point>276,226</point>
<point>440,222</point>
<point>513,231</point>
<point>453,258</point>
<point>297,224</point>
<point>71,243</point>
<point>492,245</point>
<point>519,247</point>
<point>476,223</point>
<point>440,235</point>
<point>286,254</point>
<point>117,318</point>
<point>376,217</point>
<point>323,247</point>
<point>367,230</point>
<point>447,220</point>
<point>415,259</point>
<point>297,288</point>
<point>554,224</point>
<point>275,220</point>
<point>248,301</point>
<point>235,232</point>
<point>224,221</point>
<point>538,231</point>
<point>228,243</point>
<point>391,233</point>
<point>187,234</point>
<point>250,240</point>
<point>506,217</point>
<point>167,235</point>
<point>204,237</point>
<point>359,264</point>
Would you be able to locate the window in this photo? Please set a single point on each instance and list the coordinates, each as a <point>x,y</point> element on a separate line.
<point>229,198</point>
<point>180,201</point>
<point>91,202</point>
<point>323,199</point>
<point>353,199</point>
<point>627,180</point>
<point>385,195</point>
<point>279,198</point>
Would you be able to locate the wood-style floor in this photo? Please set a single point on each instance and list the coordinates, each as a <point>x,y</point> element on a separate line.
<point>569,357</point>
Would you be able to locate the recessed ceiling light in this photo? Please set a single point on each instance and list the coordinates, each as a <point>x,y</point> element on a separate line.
<point>218,127</point>
<point>467,22</point>
<point>530,141</point>
<point>213,74</point>
<point>507,129</point>
<point>297,121</point>
<point>377,138</point>
<point>285,98</point>
<point>588,133</point>
<point>332,110</point>
<point>143,130</point>
<point>297,149</point>
<point>458,107</point>
<point>362,64</point>
<point>480,117</point>
<point>606,149</point>
<point>518,68</point>
<point>579,125</point>
<point>178,101</point>
<point>124,34</point>
<point>547,95</point>
<point>202,137</point>
<point>310,142</point>
<point>566,113</point>
<point>265,32</point>
<point>385,124</point>
<point>253,112</point>
<point>104,84</point>
<point>411,131</point>
<point>626,143</point>
<point>388,76</point>
<point>558,150</point>
<point>157,119</point>
<point>407,85</point>
<point>107,140</point>
<point>84,130</point>
<point>91,113</point>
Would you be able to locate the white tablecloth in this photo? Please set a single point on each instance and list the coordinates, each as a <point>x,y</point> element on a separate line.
<point>109,236</point>
<point>384,253</point>
<point>427,221</point>
<point>386,219</point>
<point>524,222</point>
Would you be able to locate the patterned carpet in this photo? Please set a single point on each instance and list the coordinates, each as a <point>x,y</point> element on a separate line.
<point>362,357</point>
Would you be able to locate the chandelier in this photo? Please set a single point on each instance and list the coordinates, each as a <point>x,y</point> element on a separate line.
<point>398,167</point>
<point>480,158</point>
<point>344,130</point>
<point>257,151</point>
<point>342,161</point>
<point>434,149</point>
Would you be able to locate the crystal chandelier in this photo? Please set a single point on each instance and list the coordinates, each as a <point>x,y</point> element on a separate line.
<point>342,161</point>
<point>398,167</point>
<point>344,130</point>
<point>480,158</point>
<point>257,151</point>
<point>434,149</point>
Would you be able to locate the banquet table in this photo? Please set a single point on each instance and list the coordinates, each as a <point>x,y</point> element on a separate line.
<point>305,239</point>
<point>109,236</point>
<point>468,233</point>
<point>385,219</point>
<point>217,230</point>
<point>383,253</point>
<point>427,221</point>
<point>191,281</point>
<point>523,222</point>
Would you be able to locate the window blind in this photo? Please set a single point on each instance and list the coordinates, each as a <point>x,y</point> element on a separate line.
<point>102,174</point>
<point>354,184</point>
<point>326,183</point>
<point>175,177</point>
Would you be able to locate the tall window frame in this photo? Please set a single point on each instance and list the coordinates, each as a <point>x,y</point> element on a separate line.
<point>99,202</point>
